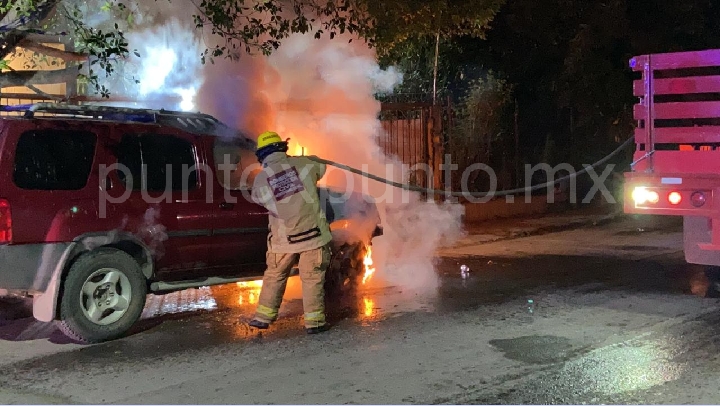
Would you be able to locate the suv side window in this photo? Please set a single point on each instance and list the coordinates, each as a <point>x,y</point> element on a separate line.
<point>235,163</point>
<point>54,159</point>
<point>167,159</point>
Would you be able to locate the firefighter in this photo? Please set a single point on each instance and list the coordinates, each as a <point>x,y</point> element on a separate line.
<point>299,231</point>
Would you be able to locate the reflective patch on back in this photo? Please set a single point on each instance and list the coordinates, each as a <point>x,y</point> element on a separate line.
<point>285,184</point>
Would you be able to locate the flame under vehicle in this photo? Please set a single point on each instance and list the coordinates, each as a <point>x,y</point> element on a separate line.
<point>100,206</point>
<point>676,165</point>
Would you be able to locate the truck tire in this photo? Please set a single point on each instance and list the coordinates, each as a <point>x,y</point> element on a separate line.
<point>102,297</point>
<point>713,275</point>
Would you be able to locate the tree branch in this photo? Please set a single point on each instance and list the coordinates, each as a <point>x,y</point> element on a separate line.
<point>53,52</point>
<point>9,41</point>
<point>43,77</point>
<point>38,91</point>
<point>44,38</point>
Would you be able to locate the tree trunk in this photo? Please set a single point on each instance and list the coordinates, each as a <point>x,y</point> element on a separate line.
<point>435,66</point>
<point>9,40</point>
<point>518,166</point>
<point>5,4</point>
<point>43,77</point>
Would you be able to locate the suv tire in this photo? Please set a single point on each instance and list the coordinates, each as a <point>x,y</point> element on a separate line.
<point>345,271</point>
<point>103,296</point>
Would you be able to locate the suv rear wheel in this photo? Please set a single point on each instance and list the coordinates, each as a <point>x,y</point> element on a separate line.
<point>104,295</point>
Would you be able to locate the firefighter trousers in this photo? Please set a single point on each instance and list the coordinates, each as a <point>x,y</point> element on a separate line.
<point>312,265</point>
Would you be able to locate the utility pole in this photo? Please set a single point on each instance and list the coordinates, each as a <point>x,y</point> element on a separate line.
<point>435,66</point>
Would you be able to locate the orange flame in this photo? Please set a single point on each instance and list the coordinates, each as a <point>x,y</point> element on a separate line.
<point>250,284</point>
<point>368,307</point>
<point>300,150</point>
<point>368,262</point>
<point>252,289</point>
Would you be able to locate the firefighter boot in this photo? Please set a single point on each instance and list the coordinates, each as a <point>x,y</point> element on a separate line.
<point>319,329</point>
<point>259,324</point>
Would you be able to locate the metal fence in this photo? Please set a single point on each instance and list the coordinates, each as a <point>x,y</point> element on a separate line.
<point>406,135</point>
<point>413,133</point>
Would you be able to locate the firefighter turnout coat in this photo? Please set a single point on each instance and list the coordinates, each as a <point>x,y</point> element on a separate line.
<point>287,188</point>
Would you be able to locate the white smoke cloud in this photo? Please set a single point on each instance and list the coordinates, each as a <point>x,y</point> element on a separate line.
<point>153,232</point>
<point>168,68</point>
<point>320,94</point>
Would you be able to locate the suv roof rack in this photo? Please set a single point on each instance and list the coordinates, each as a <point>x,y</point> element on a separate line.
<point>193,122</point>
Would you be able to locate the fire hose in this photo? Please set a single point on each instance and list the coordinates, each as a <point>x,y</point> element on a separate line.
<point>414,188</point>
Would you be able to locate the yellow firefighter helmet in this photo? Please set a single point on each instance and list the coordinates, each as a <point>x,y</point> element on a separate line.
<point>267,138</point>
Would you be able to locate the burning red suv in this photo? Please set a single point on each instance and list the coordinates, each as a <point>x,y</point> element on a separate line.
<point>100,206</point>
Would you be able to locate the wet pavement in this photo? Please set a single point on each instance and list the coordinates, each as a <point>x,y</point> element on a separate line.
<point>603,314</point>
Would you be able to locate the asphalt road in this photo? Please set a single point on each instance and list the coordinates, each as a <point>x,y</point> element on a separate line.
<point>616,317</point>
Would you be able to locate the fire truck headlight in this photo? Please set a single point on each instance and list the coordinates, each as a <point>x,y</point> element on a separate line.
<point>641,195</point>
<point>653,197</point>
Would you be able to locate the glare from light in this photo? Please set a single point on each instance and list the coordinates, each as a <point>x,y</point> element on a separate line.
<point>674,198</point>
<point>158,64</point>
<point>250,284</point>
<point>640,195</point>
<point>653,197</point>
<point>188,98</point>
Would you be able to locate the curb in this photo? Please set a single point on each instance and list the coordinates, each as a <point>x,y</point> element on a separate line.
<point>607,219</point>
<point>571,226</point>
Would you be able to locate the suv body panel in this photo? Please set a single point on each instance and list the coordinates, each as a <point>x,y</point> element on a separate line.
<point>209,234</point>
<point>176,226</point>
<point>29,267</point>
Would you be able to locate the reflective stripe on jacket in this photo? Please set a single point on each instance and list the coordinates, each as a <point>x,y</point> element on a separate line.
<point>287,188</point>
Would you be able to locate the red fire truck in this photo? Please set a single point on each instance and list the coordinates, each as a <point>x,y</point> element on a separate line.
<point>676,165</point>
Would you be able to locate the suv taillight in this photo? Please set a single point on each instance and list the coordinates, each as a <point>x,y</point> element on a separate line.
<point>5,222</point>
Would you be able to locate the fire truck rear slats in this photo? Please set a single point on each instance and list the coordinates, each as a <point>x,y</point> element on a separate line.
<point>680,135</point>
<point>678,60</point>
<point>678,114</point>
<point>682,85</point>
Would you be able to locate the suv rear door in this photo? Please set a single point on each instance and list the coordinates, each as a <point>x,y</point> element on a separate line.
<point>240,227</point>
<point>52,184</point>
<point>166,201</point>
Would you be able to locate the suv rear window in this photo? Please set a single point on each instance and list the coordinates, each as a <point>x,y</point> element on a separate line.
<point>54,159</point>
<point>158,153</point>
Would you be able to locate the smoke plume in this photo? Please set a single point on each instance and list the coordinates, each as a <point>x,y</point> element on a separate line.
<point>320,94</point>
